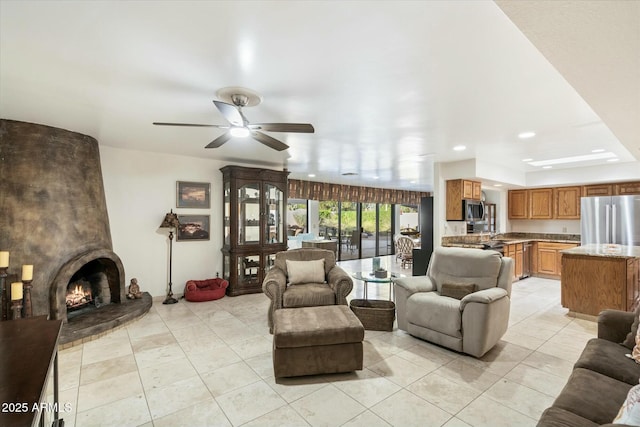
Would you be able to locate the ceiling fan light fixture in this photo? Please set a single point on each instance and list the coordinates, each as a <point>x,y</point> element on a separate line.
<point>239,132</point>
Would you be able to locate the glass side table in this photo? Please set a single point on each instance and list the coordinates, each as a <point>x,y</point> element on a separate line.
<point>368,277</point>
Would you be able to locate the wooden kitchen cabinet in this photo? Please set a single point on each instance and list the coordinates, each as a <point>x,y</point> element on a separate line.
<point>459,190</point>
<point>518,204</point>
<point>467,189</point>
<point>627,188</point>
<point>471,190</point>
<point>549,257</point>
<point>591,284</point>
<point>477,190</point>
<point>541,203</point>
<point>516,252</point>
<point>597,190</point>
<point>566,202</point>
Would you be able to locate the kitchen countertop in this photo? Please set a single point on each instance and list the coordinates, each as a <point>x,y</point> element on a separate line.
<point>605,250</point>
<point>478,241</point>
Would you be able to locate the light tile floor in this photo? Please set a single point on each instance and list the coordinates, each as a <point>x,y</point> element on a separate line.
<point>209,364</point>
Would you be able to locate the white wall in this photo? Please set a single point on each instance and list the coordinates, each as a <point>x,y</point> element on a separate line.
<point>140,187</point>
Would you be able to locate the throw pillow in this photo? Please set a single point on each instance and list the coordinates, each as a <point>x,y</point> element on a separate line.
<point>635,353</point>
<point>631,336</point>
<point>457,290</point>
<point>305,271</point>
<point>630,411</point>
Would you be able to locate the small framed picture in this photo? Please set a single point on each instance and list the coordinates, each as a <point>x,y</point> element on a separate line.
<point>193,195</point>
<point>193,227</point>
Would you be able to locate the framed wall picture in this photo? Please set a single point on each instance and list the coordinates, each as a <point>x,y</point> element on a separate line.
<point>193,195</point>
<point>193,227</point>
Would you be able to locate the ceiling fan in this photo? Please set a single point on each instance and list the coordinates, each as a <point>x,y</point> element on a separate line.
<point>239,126</point>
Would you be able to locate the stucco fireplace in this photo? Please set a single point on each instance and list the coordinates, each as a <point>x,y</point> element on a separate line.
<point>55,217</point>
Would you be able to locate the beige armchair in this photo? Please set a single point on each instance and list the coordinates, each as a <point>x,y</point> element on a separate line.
<point>462,303</point>
<point>304,278</point>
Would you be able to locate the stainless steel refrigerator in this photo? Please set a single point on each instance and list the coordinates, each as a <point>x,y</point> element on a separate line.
<point>610,219</point>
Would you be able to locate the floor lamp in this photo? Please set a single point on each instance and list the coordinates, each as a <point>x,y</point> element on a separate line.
<point>171,222</point>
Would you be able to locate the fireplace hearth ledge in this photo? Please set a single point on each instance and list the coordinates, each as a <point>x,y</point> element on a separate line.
<point>88,326</point>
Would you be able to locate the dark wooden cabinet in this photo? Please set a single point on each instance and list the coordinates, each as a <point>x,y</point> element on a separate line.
<point>254,225</point>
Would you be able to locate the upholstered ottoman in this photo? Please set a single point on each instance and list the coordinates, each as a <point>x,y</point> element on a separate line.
<point>316,340</point>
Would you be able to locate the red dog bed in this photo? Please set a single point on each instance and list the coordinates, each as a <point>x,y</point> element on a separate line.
<point>205,290</point>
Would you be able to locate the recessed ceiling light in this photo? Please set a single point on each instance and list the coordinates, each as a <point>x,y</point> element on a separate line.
<point>497,185</point>
<point>598,150</point>
<point>527,160</point>
<point>547,167</point>
<point>574,159</point>
<point>376,177</point>
<point>312,175</point>
<point>613,160</point>
<point>412,182</point>
<point>459,148</point>
<point>525,135</point>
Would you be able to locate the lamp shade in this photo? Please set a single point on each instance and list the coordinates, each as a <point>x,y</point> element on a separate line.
<point>170,220</point>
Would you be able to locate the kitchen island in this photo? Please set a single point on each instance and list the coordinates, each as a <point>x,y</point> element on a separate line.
<point>599,276</point>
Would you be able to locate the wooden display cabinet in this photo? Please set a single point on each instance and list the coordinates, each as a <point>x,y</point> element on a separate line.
<point>254,225</point>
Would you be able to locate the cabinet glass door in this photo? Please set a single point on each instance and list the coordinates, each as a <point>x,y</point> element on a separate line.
<point>274,199</point>
<point>248,269</point>
<point>249,214</point>
<point>227,213</point>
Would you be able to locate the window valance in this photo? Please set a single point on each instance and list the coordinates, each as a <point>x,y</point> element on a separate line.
<point>323,191</point>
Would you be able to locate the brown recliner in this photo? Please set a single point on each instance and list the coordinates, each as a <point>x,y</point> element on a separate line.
<point>334,288</point>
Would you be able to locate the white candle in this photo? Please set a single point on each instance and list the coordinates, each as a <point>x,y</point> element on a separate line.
<point>16,291</point>
<point>4,258</point>
<point>27,272</point>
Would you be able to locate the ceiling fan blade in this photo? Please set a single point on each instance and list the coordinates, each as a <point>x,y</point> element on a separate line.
<point>269,141</point>
<point>230,112</point>
<point>191,124</point>
<point>219,140</point>
<point>284,127</point>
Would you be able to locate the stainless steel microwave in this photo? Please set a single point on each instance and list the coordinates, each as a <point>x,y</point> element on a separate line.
<point>474,210</point>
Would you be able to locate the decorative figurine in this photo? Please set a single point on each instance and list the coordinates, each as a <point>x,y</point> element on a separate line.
<point>134,290</point>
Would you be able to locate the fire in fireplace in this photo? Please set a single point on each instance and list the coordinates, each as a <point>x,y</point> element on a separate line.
<point>79,295</point>
<point>88,289</point>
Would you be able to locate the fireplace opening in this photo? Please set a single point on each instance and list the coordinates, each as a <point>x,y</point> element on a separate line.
<point>79,295</point>
<point>88,289</point>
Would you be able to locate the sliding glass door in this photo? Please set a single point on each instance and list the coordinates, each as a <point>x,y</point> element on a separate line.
<point>384,235</point>
<point>350,237</point>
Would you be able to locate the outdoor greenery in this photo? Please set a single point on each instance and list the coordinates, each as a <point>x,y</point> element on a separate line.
<point>329,216</point>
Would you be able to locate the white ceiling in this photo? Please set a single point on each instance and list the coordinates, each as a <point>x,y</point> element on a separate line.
<point>391,87</point>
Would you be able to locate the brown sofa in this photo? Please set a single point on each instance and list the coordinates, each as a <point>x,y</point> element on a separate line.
<point>601,377</point>
<point>333,288</point>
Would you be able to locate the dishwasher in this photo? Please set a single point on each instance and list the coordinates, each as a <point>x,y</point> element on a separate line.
<point>526,260</point>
